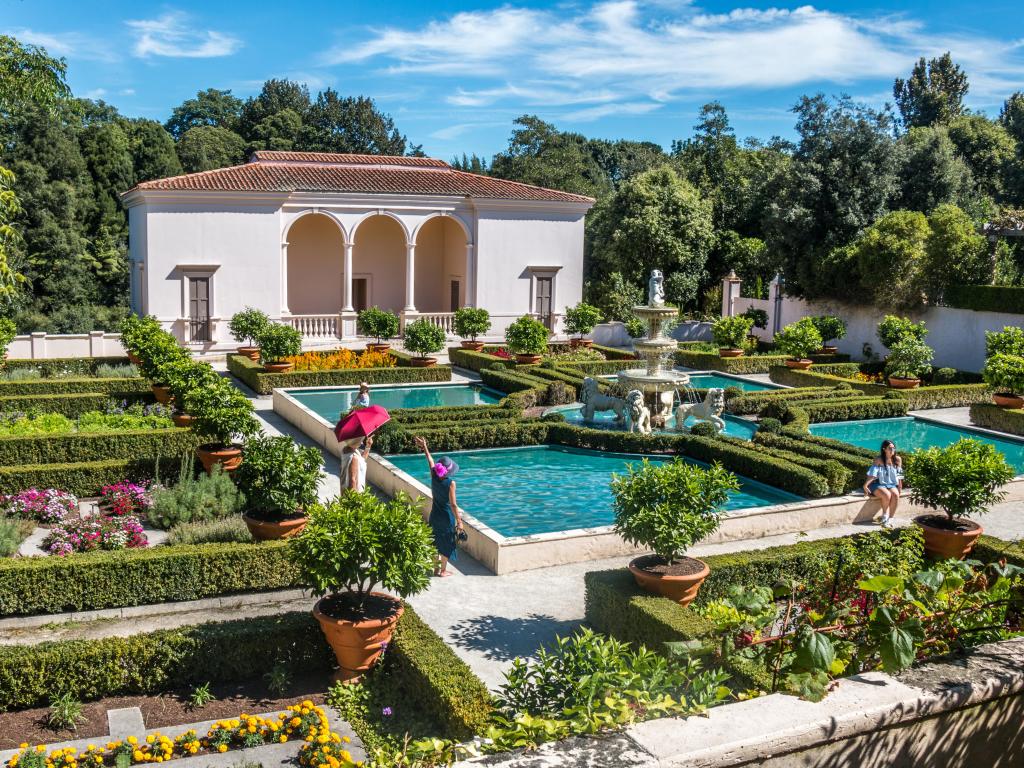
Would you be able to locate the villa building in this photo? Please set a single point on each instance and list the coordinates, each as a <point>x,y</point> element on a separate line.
<point>312,238</point>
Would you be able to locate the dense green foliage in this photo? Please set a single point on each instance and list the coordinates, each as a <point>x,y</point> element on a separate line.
<point>731,332</point>
<point>379,323</point>
<point>582,318</point>
<point>987,298</point>
<point>277,476</point>
<point>1009,341</point>
<point>908,359</point>
<point>962,479</point>
<point>756,363</point>
<point>799,339</point>
<point>470,322</point>
<point>195,499</point>
<point>247,325</point>
<point>424,337</point>
<point>277,341</point>
<point>894,329</point>
<point>527,336</point>
<point>168,444</point>
<point>1005,373</point>
<point>991,416</point>
<point>82,478</point>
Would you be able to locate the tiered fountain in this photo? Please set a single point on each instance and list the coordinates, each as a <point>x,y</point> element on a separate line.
<point>658,384</point>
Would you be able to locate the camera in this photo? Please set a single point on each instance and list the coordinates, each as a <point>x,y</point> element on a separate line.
<point>461,536</point>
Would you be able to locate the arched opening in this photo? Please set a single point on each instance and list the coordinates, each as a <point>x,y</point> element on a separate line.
<point>316,263</point>
<point>440,266</point>
<point>378,264</point>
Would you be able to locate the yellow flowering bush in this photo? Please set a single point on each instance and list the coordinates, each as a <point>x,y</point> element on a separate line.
<point>869,378</point>
<point>340,359</point>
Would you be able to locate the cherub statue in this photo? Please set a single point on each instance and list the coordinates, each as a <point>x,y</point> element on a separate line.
<point>656,289</point>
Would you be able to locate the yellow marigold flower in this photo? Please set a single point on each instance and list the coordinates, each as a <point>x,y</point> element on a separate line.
<point>222,748</point>
<point>137,755</point>
<point>132,740</point>
<point>283,739</point>
<point>41,748</point>
<point>346,739</point>
<point>295,722</point>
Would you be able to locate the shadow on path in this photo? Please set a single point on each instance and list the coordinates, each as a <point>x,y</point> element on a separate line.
<point>500,638</point>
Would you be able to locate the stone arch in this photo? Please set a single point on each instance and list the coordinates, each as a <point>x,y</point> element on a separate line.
<point>444,214</point>
<point>311,212</point>
<point>379,260</point>
<point>388,214</point>
<point>441,264</point>
<point>316,263</point>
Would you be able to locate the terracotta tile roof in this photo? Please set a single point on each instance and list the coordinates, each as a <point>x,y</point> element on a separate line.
<point>269,171</point>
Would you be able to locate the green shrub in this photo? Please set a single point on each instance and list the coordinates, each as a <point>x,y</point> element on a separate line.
<point>70,405</point>
<point>62,367</point>
<point>12,533</point>
<point>893,329</point>
<point>989,416</point>
<point>227,530</point>
<point>757,316</point>
<point>838,409</point>
<point>253,376</point>
<point>473,361</point>
<point>395,437</point>
<point>799,339</point>
<point>7,333</point>
<point>115,388</point>
<point>1009,341</point>
<point>22,374</point>
<point>944,376</point>
<point>636,327</point>
<point>278,477</point>
<point>986,298</point>
<point>79,447</point>
<point>194,499</point>
<point>856,464</point>
<point>247,325</point>
<point>470,322</point>
<point>527,336</point>
<point>1004,373</point>
<point>750,403</point>
<point>769,426</point>
<point>962,480</point>
<point>755,363</point>
<point>424,337</point>
<point>85,478</point>
<point>731,332</point>
<point>909,358</point>
<point>377,322</point>
<point>936,396</point>
<point>703,429</point>
<point>277,341</point>
<point>581,319</point>
<point>221,412</point>
<point>107,371</point>
<point>830,327</point>
<point>186,376</point>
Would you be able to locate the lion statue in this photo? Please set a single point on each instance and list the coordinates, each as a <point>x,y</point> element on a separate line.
<point>656,289</point>
<point>710,410</point>
<point>639,413</point>
<point>594,400</point>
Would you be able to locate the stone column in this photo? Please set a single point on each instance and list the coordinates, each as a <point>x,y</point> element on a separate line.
<point>470,290</point>
<point>284,280</point>
<point>410,277</point>
<point>776,291</point>
<point>348,278</point>
<point>730,292</point>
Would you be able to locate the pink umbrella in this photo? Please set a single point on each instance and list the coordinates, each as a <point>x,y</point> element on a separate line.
<point>361,422</point>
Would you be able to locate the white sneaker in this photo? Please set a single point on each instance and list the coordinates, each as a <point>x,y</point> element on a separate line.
<point>884,522</point>
<point>888,523</point>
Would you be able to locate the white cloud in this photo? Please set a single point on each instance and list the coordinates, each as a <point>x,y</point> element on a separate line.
<point>171,36</point>
<point>95,93</point>
<point>66,44</point>
<point>127,92</point>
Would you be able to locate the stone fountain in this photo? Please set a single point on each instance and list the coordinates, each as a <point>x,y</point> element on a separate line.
<point>657,383</point>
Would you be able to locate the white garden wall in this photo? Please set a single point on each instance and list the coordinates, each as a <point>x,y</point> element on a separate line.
<point>42,346</point>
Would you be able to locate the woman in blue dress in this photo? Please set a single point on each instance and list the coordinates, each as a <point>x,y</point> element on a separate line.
<point>445,515</point>
<point>885,480</point>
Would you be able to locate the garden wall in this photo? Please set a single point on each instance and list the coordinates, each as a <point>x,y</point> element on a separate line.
<point>38,346</point>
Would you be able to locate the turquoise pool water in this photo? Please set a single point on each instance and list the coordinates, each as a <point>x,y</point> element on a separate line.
<point>330,403</point>
<point>543,489</point>
<point>910,434</point>
<point>734,425</point>
<point>709,380</point>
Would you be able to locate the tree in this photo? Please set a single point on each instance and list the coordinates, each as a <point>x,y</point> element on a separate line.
<point>152,151</point>
<point>934,92</point>
<point>931,172</point>
<point>956,254</point>
<point>711,150</point>
<point>622,160</point>
<point>206,147</point>
<point>614,296</point>
<point>351,124</point>
<point>1012,116</point>
<point>890,255</point>
<point>987,148</point>
<point>275,96</point>
<point>279,131</point>
<point>210,107</point>
<point>471,164</point>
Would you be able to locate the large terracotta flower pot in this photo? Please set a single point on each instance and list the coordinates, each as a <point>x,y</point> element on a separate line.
<point>576,343</point>
<point>1007,400</point>
<point>473,346</point>
<point>268,530</point>
<point>801,365</point>
<point>897,383</point>
<point>382,347</point>
<point>943,542</point>
<point>527,359</point>
<point>162,393</point>
<point>229,457</point>
<point>651,573</point>
<point>253,353</point>
<point>181,419</point>
<point>133,358</point>
<point>729,352</point>
<point>358,644</point>
<point>278,367</point>
<point>423,362</point>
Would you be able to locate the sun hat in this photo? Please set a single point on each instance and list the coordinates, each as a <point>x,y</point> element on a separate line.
<point>445,467</point>
<point>363,385</point>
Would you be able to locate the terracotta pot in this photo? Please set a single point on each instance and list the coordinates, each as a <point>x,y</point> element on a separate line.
<point>897,383</point>
<point>679,589</point>
<point>278,367</point>
<point>181,419</point>
<point>162,393</point>
<point>527,359</point>
<point>358,644</point>
<point>729,352</point>
<point>268,530</point>
<point>133,358</point>
<point>829,351</point>
<point>253,353</point>
<point>576,343</point>
<point>229,457</point>
<point>473,346</point>
<point>944,544</point>
<point>800,365</point>
<point>1007,400</point>
<point>423,362</point>
<point>382,347</point>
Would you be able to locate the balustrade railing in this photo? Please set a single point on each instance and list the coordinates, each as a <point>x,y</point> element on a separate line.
<point>315,326</point>
<point>443,320</point>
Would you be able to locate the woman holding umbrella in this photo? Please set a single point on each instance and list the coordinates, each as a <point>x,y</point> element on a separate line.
<point>355,433</point>
<point>445,515</point>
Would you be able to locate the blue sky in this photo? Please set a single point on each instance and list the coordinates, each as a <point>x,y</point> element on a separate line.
<point>455,74</point>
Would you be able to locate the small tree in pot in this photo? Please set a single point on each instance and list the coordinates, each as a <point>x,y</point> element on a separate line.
<point>246,326</point>
<point>134,331</point>
<point>349,547</point>
<point>279,480</point>
<point>668,507</point>
<point>471,322</point>
<point>908,360</point>
<point>893,329</point>
<point>527,338</point>
<point>1005,374</point>
<point>222,413</point>
<point>729,334</point>
<point>182,377</point>
<point>962,480</point>
<point>424,337</point>
<point>380,324</point>
<point>278,342</point>
<point>799,340</point>
<point>1009,341</point>
<point>831,328</point>
<point>581,320</point>
<point>158,352</point>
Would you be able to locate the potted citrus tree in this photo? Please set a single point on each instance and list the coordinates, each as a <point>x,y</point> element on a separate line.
<point>469,323</point>
<point>279,480</point>
<point>798,340</point>
<point>1009,341</point>
<point>245,327</point>
<point>831,328</point>
<point>894,329</point>
<point>527,339</point>
<point>424,338</point>
<point>668,507</point>
<point>157,351</point>
<point>278,342</point>
<point>221,413</point>
<point>729,334</point>
<point>908,360</point>
<point>348,549</point>
<point>580,320</point>
<point>182,377</point>
<point>962,480</point>
<point>134,330</point>
<point>1005,374</point>
<point>379,323</point>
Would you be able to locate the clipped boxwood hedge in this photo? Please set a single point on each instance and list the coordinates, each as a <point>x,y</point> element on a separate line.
<point>506,409</point>
<point>253,375</point>
<point>750,403</point>
<point>986,298</point>
<point>66,366</point>
<point>86,478</point>
<point>855,463</point>
<point>115,388</point>
<point>837,409</point>
<point>85,446</point>
<point>473,361</point>
<point>989,416</point>
<point>71,405</point>
<point>922,398</point>
<point>397,437</point>
<point>711,361</point>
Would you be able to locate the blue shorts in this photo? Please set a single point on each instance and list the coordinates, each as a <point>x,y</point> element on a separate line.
<point>875,485</point>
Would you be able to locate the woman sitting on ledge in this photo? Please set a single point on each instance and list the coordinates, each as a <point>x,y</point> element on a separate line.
<point>885,480</point>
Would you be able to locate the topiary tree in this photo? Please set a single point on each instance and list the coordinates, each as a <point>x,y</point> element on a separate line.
<point>581,319</point>
<point>527,336</point>
<point>424,337</point>
<point>963,479</point>
<point>278,477</point>
<point>470,322</point>
<point>894,329</point>
<point>185,375</point>
<point>377,322</point>
<point>830,327</point>
<point>799,339</point>
<point>731,332</point>
<point>1009,341</point>
<point>276,342</point>
<point>909,359</point>
<point>247,325</point>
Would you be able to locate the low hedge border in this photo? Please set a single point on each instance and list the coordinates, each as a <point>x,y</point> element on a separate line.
<point>747,364</point>
<point>396,437</point>
<point>71,405</point>
<point>115,388</point>
<point>989,549</point>
<point>803,435</point>
<point>838,476</point>
<point>253,375</point>
<point>53,367</point>
<point>86,478</point>
<point>989,416</point>
<point>855,464</point>
<point>985,298</point>
<point>839,409</point>
<point>750,403</point>
<point>922,398</point>
<point>505,410</point>
<point>473,361</point>
<point>167,443</point>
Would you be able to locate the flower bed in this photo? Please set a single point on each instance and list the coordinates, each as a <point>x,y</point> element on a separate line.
<point>91,533</point>
<point>340,359</point>
<point>47,506</point>
<point>989,416</point>
<point>253,375</point>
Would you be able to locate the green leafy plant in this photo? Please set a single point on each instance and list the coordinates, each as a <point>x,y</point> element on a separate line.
<point>757,316</point>
<point>894,329</point>
<point>377,322</point>
<point>470,322</point>
<point>581,319</point>
<point>185,375</point>
<point>277,341</point>
<point>799,339</point>
<point>201,499</point>
<point>22,374</point>
<point>1009,341</point>
<point>12,533</point>
<point>830,327</point>
<point>636,327</point>
<point>65,713</point>
<point>278,477</point>
<point>156,351</point>
<point>221,412</point>
<point>669,506</point>
<point>963,479</point>
<point>1004,373</point>
<point>731,332</point>
<point>385,543</point>
<point>910,358</point>
<point>278,679</point>
<point>424,337</point>
<point>108,371</point>
<point>527,336</point>
<point>227,530</point>
<point>247,325</point>
<point>200,696</point>
<point>8,331</point>
<point>944,376</point>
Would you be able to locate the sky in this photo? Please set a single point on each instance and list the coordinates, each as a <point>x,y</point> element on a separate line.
<point>454,75</point>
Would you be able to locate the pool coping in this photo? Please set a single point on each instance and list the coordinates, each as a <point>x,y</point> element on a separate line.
<point>768,385</point>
